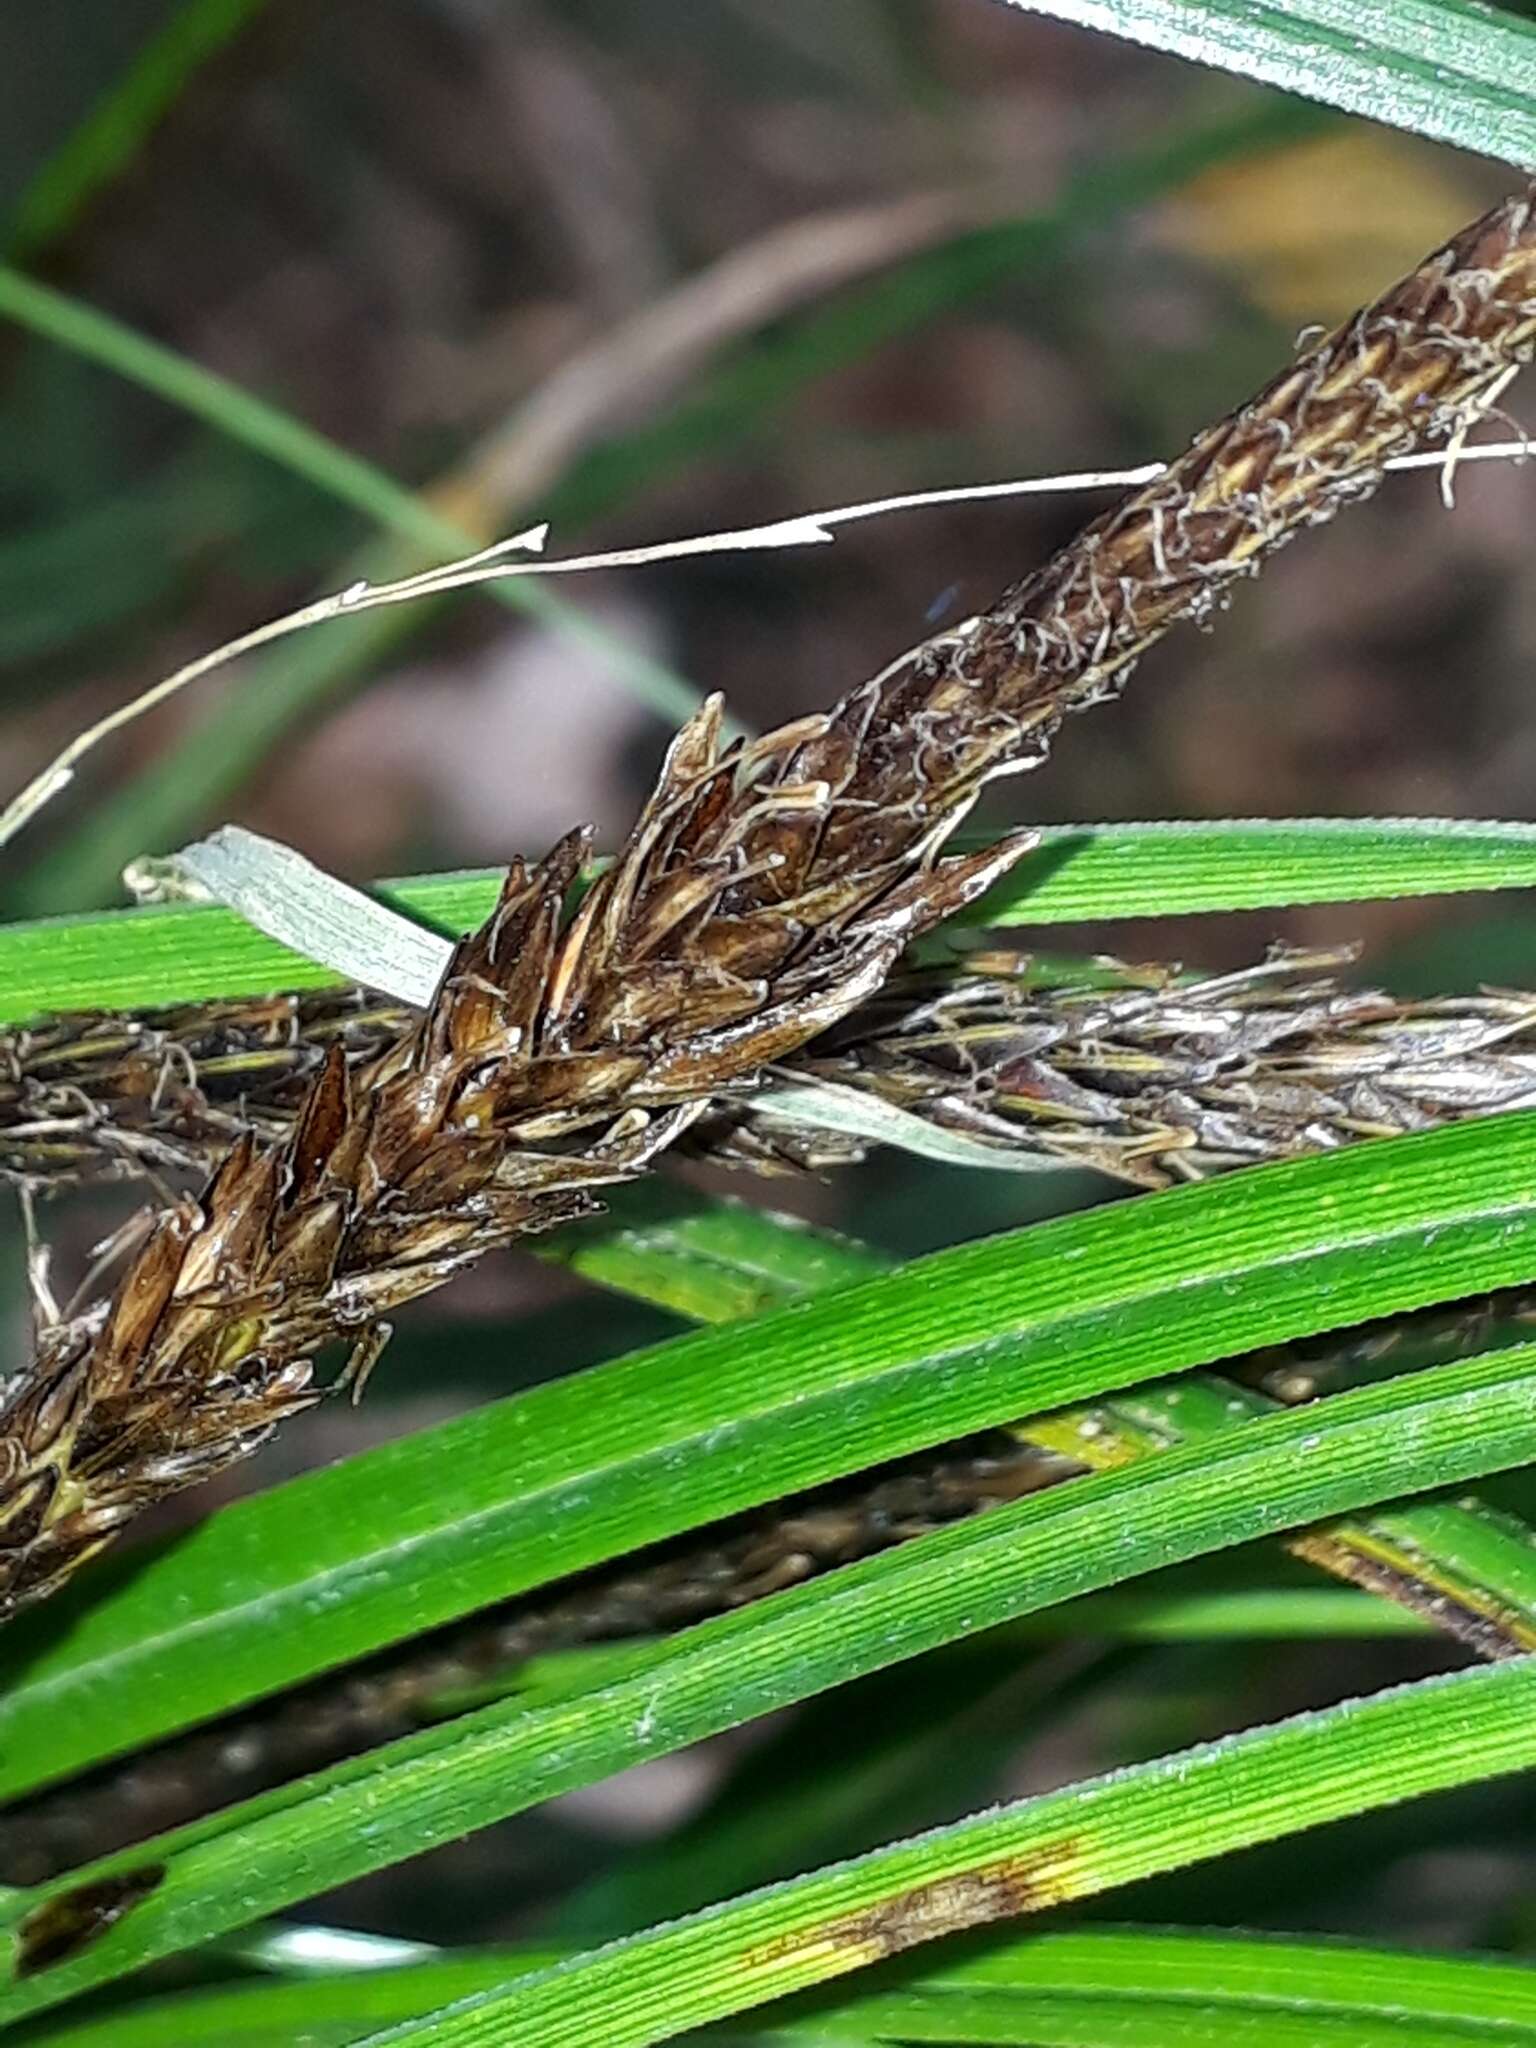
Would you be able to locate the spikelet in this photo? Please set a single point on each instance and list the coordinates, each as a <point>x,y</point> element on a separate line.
<point>1144,1073</point>
<point>766,891</point>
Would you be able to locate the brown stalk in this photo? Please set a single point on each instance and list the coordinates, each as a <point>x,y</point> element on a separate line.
<point>767,890</point>
<point>710,1572</point>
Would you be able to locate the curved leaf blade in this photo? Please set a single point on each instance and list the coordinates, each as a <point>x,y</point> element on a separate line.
<point>1041,1852</point>
<point>342,1561</point>
<point>1139,1987</point>
<point>1454,71</point>
<point>173,953</point>
<point>623,1708</point>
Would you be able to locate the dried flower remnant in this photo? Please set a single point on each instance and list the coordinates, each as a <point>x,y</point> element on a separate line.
<point>766,891</point>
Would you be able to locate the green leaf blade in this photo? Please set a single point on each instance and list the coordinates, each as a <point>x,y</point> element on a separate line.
<point>1051,1989</point>
<point>1454,71</point>
<point>172,953</point>
<point>1066,1845</point>
<point>343,1561</point>
<point>1285,1469</point>
<point>1165,868</point>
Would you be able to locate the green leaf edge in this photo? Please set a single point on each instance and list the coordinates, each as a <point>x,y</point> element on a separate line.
<point>173,953</point>
<point>1084,1977</point>
<point>1454,72</point>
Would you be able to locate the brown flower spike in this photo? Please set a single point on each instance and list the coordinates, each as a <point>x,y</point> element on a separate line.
<point>766,891</point>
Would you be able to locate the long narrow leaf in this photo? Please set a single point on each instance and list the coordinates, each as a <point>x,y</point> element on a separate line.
<point>1071,1844</point>
<point>621,1709</point>
<point>1138,1988</point>
<point>715,1261</point>
<point>1451,69</point>
<point>121,121</point>
<point>183,953</point>
<point>346,1560</point>
<point>1471,1567</point>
